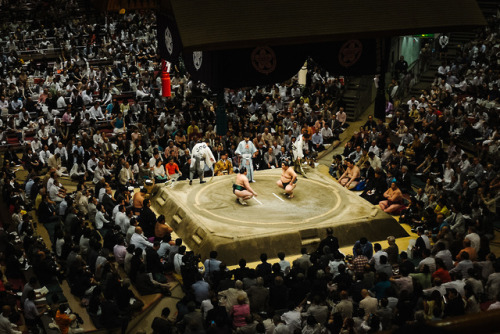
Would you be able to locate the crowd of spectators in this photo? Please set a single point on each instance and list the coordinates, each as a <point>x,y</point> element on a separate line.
<point>326,292</point>
<point>80,100</point>
<point>94,115</point>
<point>439,149</point>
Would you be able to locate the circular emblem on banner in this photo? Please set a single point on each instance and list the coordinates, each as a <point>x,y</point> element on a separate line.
<point>263,59</point>
<point>169,41</point>
<point>350,52</point>
<point>197,59</point>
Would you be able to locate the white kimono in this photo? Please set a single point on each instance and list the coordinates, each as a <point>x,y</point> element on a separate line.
<point>201,155</point>
<point>246,150</point>
<point>203,152</point>
<point>297,148</point>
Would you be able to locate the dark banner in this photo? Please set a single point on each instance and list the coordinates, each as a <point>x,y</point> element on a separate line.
<point>352,57</point>
<point>264,65</point>
<point>169,41</point>
<point>245,67</point>
<point>203,66</point>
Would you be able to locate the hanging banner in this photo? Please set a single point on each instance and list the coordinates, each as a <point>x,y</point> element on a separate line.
<point>261,65</point>
<point>169,41</point>
<point>350,57</point>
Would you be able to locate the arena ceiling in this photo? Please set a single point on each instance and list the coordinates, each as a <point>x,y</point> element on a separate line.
<point>222,24</point>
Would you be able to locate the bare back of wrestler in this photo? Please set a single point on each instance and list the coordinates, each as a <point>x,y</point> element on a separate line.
<point>241,187</point>
<point>288,179</point>
<point>351,176</point>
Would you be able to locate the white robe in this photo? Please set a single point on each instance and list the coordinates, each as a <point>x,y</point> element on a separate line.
<point>297,148</point>
<point>203,151</point>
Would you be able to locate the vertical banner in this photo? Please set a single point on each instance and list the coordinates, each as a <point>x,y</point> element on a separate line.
<point>203,66</point>
<point>351,57</point>
<point>220,114</point>
<point>235,68</point>
<point>169,40</point>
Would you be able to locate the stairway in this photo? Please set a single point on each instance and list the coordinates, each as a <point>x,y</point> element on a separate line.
<point>426,79</point>
<point>351,98</point>
<point>357,96</point>
<point>457,39</point>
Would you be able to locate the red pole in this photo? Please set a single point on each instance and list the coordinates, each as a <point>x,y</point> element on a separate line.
<point>165,80</point>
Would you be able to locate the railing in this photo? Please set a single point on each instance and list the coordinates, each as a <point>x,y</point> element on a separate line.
<point>417,68</point>
<point>364,95</point>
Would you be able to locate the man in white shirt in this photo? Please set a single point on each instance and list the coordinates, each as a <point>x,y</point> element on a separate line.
<point>443,45</point>
<point>374,148</point>
<point>36,145</point>
<point>87,97</point>
<point>100,172</point>
<point>282,91</point>
<point>475,240</point>
<point>54,192</point>
<point>44,155</point>
<point>443,69</point>
<point>445,86</point>
<point>378,253</point>
<point>78,148</point>
<point>5,325</point>
<point>122,220</point>
<point>295,92</point>
<point>62,152</point>
<point>422,196</point>
<point>126,174</point>
<point>235,99</point>
<point>100,220</point>
<point>70,87</point>
<point>170,126</point>
<point>96,112</point>
<point>152,161</point>
<point>428,260</point>
<point>272,107</point>
<point>292,318</point>
<point>284,264</point>
<point>342,118</point>
<point>327,134</point>
<point>412,101</point>
<point>444,254</point>
<point>374,160</point>
<point>4,103</point>
<point>211,265</point>
<point>139,240</point>
<point>464,164</point>
<point>178,259</point>
<point>92,163</point>
<point>16,104</point>
<point>61,103</point>
<point>368,303</point>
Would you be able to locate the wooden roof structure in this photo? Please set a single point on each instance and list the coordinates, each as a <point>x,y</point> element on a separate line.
<point>229,24</point>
